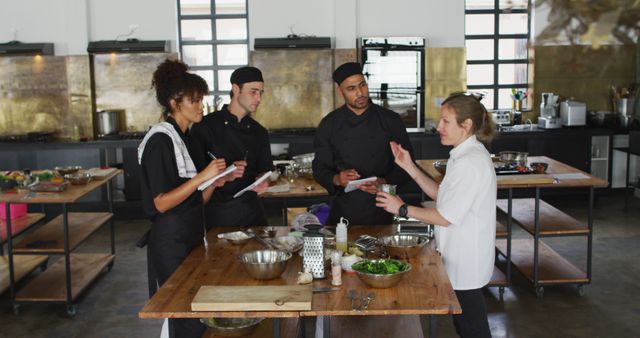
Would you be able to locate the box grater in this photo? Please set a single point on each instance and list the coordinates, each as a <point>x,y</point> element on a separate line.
<point>313,251</point>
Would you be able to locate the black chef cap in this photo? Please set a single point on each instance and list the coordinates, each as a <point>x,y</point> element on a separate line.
<point>346,70</point>
<point>246,74</point>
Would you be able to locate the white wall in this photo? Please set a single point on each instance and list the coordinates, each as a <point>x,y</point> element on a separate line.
<point>71,24</point>
<point>440,22</point>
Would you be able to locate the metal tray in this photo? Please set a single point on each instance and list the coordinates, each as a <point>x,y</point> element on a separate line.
<point>49,187</point>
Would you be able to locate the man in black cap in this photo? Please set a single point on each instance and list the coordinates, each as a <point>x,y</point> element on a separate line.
<point>232,134</point>
<point>352,142</point>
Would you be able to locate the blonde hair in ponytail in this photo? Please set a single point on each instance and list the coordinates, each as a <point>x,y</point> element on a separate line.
<point>468,106</point>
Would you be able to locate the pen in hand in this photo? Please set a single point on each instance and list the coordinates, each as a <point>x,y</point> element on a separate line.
<point>213,157</point>
<point>246,154</point>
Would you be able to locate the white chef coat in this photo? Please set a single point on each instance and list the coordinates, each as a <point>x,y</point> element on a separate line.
<point>467,199</point>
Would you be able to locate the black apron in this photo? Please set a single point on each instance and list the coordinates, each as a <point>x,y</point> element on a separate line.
<point>365,148</point>
<point>246,210</point>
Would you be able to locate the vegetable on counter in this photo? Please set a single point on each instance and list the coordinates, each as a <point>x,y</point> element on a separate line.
<point>380,266</point>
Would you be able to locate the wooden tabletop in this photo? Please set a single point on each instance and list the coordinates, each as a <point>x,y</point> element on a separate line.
<point>556,169</point>
<point>426,289</point>
<point>70,195</point>
<point>300,187</point>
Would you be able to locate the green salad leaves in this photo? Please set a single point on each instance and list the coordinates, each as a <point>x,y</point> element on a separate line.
<point>380,266</point>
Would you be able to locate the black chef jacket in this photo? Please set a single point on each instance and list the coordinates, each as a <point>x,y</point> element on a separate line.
<point>175,232</point>
<point>345,140</point>
<point>221,134</point>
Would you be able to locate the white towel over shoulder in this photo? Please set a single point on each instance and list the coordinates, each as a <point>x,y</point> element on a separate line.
<point>186,168</point>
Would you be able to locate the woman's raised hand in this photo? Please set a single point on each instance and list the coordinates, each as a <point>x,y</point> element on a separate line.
<point>401,155</point>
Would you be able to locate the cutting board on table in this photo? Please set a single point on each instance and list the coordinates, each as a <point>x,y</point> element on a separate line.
<point>253,298</point>
<point>525,179</point>
<point>100,174</point>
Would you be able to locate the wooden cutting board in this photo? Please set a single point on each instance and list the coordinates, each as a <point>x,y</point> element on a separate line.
<point>253,298</point>
<point>101,174</point>
<point>525,179</point>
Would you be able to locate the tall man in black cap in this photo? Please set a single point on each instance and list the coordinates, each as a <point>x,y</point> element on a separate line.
<point>232,134</point>
<point>352,142</point>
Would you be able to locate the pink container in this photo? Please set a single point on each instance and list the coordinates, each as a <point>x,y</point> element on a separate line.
<point>17,210</point>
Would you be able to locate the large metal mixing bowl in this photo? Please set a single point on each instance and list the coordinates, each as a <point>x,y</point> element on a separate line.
<point>381,281</point>
<point>232,327</point>
<point>403,246</point>
<point>265,264</point>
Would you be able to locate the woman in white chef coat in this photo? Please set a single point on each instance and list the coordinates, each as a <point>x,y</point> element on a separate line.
<point>465,212</point>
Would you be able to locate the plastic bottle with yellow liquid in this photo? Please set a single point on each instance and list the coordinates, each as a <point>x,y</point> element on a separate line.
<point>341,235</point>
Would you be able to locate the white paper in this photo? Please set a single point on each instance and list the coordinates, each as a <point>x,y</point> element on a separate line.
<point>207,183</point>
<point>254,184</point>
<point>353,185</point>
<point>571,176</point>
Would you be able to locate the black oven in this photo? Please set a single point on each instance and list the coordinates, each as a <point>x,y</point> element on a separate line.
<point>394,69</point>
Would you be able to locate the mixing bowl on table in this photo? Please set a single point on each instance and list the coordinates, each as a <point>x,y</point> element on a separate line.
<point>381,273</point>
<point>265,264</point>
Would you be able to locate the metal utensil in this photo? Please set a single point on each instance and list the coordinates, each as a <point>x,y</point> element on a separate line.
<point>260,240</point>
<point>353,295</point>
<point>371,296</point>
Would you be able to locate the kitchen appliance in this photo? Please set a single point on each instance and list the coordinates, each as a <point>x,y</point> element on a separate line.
<point>573,113</point>
<point>108,122</point>
<point>414,227</point>
<point>501,117</point>
<point>548,114</point>
<point>394,69</point>
<point>313,251</point>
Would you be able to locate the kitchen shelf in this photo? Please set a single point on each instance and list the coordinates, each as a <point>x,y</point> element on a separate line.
<point>498,278</point>
<point>288,328</point>
<point>51,235</point>
<point>20,224</point>
<point>501,230</point>
<point>553,222</point>
<point>50,285</point>
<point>553,268</point>
<point>23,265</point>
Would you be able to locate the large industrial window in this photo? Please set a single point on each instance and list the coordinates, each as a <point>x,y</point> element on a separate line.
<point>214,40</point>
<point>497,34</point>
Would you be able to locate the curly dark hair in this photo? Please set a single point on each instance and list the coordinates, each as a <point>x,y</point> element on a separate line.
<point>173,81</point>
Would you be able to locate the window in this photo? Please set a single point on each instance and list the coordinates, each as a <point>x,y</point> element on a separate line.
<point>497,34</point>
<point>214,40</point>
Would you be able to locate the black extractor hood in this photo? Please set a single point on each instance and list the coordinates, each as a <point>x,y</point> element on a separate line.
<point>293,42</point>
<point>19,48</point>
<point>129,46</point>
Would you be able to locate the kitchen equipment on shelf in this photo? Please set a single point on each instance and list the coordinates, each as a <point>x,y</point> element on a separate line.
<point>108,122</point>
<point>313,251</point>
<point>232,327</point>
<point>548,112</point>
<point>501,117</point>
<point>573,113</point>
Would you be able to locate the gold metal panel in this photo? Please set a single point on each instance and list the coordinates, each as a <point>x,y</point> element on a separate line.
<point>446,64</point>
<point>436,92</point>
<point>341,56</point>
<point>123,82</point>
<point>298,87</point>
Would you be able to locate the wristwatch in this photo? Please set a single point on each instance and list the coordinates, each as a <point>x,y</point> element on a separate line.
<point>404,209</point>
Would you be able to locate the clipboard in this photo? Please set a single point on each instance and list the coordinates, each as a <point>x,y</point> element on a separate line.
<point>210,181</point>
<point>254,184</point>
<point>353,185</point>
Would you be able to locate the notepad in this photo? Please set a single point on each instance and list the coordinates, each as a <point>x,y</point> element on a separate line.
<point>353,185</point>
<point>253,185</point>
<point>210,181</point>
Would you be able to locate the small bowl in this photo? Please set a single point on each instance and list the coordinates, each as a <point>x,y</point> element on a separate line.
<point>381,281</point>
<point>232,327</point>
<point>539,167</point>
<point>79,178</point>
<point>441,166</point>
<point>67,170</point>
<point>236,237</point>
<point>265,264</point>
<point>403,246</point>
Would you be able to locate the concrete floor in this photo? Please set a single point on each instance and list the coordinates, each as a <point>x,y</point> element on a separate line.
<point>610,307</point>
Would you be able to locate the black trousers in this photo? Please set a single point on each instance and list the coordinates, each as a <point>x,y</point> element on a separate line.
<point>472,322</point>
<point>171,239</point>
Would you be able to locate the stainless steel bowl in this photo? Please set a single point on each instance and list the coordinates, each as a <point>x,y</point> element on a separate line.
<point>382,281</point>
<point>79,178</point>
<point>514,157</point>
<point>265,264</point>
<point>232,327</point>
<point>403,246</point>
<point>67,170</point>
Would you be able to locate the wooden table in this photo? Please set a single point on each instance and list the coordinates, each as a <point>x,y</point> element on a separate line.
<point>539,263</point>
<point>65,280</point>
<point>302,188</point>
<point>425,290</point>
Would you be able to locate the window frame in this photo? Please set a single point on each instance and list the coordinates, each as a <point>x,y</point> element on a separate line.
<point>215,92</point>
<point>496,37</point>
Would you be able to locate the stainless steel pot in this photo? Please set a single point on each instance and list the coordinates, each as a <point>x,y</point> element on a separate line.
<point>108,122</point>
<point>514,157</point>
